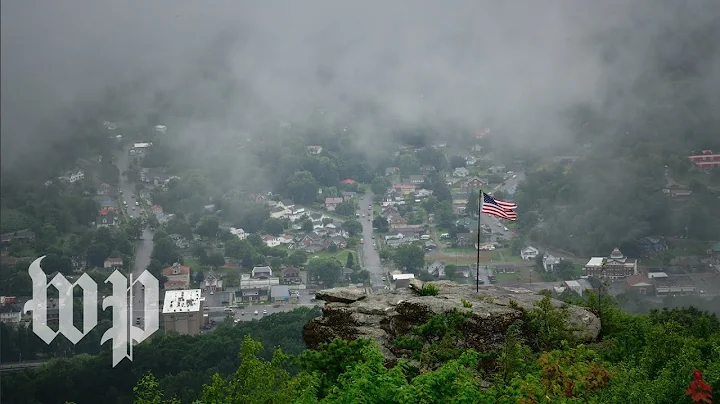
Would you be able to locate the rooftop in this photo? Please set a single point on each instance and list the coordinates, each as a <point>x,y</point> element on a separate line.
<point>182,301</point>
<point>403,276</point>
<point>595,262</point>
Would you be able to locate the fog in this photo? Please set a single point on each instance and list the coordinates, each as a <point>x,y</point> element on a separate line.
<point>241,66</point>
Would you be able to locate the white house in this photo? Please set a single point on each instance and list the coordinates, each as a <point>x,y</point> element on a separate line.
<point>161,128</point>
<point>529,253</point>
<point>10,314</point>
<point>261,272</point>
<point>240,233</point>
<point>271,241</point>
<point>72,176</point>
<point>461,172</point>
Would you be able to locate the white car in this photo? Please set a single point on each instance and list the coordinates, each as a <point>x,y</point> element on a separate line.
<point>228,310</point>
<point>384,279</point>
<point>264,311</point>
<point>256,312</point>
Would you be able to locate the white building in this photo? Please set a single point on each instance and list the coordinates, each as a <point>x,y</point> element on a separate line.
<point>161,128</point>
<point>461,172</point>
<point>73,176</point>
<point>183,311</point>
<point>142,146</point>
<point>240,233</point>
<point>529,253</point>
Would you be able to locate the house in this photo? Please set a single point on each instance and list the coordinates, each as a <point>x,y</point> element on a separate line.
<point>332,203</point>
<point>161,128</point>
<point>337,241</point>
<point>640,284</point>
<point>72,177</point>
<point>279,293</point>
<point>461,172</point>
<point>396,221</point>
<point>261,272</point>
<point>104,189</point>
<point>473,183</point>
<point>271,241</point>
<point>706,160</point>
<point>672,284</point>
<point>427,169</point>
<point>389,211</point>
<point>290,275</point>
<point>10,314</point>
<point>247,282</point>
<point>616,266</point>
<point>347,181</point>
<point>183,311</point>
<point>252,295</point>
<point>178,277</point>
<point>437,268</point>
<point>651,245</point>
<point>157,210</point>
<point>113,263</point>
<point>423,193</point>
<point>20,235</point>
<point>106,218</point>
<point>416,179</point>
<point>430,245</point>
<point>212,283</point>
<point>477,148</point>
<point>392,171</point>
<point>106,203</point>
<point>314,150</point>
<point>550,262</point>
<point>529,253</point>
<point>239,233</point>
<point>404,189</point>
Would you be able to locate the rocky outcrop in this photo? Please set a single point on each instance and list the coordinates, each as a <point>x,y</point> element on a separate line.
<point>350,313</point>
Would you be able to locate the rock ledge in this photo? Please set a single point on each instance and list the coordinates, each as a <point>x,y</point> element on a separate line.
<point>350,313</point>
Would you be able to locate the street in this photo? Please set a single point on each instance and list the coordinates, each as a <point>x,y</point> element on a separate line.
<point>371,258</point>
<point>144,246</point>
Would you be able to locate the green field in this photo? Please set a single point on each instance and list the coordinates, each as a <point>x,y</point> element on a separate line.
<point>340,255</point>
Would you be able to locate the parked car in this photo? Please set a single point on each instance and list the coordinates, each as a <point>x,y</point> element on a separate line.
<point>264,311</point>
<point>256,312</point>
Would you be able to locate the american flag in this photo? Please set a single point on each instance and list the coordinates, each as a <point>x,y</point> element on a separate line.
<point>498,208</point>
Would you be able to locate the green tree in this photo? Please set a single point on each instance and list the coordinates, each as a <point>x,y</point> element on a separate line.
<point>353,227</point>
<point>306,225</point>
<point>326,270</point>
<point>208,227</point>
<point>409,257</point>
<point>273,226</point>
<point>296,258</point>
<point>379,185</point>
<point>346,208</point>
<point>302,187</point>
<point>349,262</point>
<point>450,271</point>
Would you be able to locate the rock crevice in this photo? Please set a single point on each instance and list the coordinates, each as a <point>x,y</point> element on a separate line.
<point>350,313</point>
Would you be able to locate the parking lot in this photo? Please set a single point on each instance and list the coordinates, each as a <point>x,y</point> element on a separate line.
<point>218,308</point>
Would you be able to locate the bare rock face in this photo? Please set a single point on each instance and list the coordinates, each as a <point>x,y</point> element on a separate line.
<point>350,313</point>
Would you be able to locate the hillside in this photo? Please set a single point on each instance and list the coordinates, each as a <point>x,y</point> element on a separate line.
<point>536,359</point>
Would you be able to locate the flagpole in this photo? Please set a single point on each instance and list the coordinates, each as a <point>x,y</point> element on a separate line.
<point>477,268</point>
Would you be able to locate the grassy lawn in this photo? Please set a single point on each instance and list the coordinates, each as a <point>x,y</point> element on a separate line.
<point>340,255</point>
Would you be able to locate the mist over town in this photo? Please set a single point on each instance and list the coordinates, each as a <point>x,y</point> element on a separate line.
<point>416,202</point>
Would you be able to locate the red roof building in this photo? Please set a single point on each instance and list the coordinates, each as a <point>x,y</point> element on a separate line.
<point>348,181</point>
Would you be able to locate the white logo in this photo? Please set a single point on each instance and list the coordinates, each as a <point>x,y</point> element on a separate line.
<point>122,332</point>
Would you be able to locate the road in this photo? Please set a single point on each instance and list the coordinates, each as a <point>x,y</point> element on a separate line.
<point>144,246</point>
<point>371,258</point>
